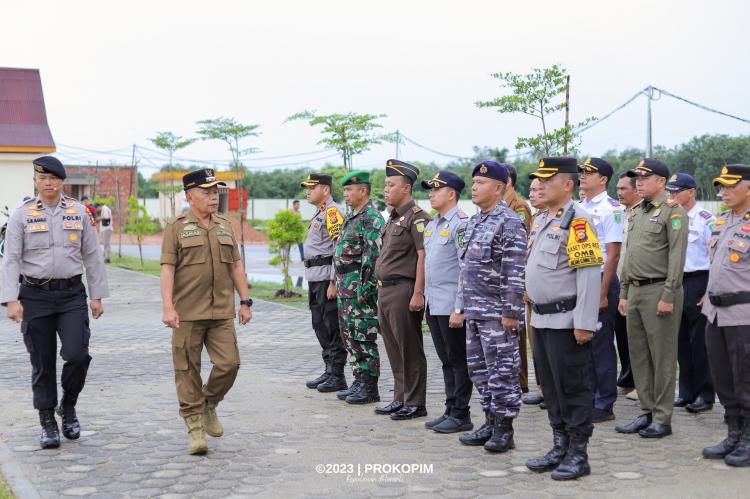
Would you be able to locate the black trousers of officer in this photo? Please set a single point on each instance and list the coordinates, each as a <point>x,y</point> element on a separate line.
<point>625,379</point>
<point>729,358</point>
<point>450,345</point>
<point>564,368</point>
<point>325,323</point>
<point>47,314</point>
<point>603,355</point>
<point>695,377</point>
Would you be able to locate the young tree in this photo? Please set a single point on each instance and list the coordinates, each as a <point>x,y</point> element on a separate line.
<point>170,142</point>
<point>539,94</point>
<point>349,133</point>
<point>231,132</point>
<point>285,230</point>
<point>139,223</point>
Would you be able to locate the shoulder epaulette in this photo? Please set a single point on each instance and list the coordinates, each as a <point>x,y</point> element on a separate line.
<point>705,214</point>
<point>416,209</point>
<point>461,214</point>
<point>613,202</point>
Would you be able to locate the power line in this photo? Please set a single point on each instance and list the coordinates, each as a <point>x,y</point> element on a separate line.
<point>701,106</point>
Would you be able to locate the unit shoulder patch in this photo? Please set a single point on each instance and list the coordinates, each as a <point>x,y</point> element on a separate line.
<point>583,247</point>
<point>334,220</point>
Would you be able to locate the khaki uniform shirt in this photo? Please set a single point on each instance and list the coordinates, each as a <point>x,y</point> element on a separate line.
<point>203,260</point>
<point>402,238</point>
<point>322,234</point>
<point>519,206</point>
<point>656,246</point>
<point>627,214</point>
<point>52,242</point>
<point>730,268</point>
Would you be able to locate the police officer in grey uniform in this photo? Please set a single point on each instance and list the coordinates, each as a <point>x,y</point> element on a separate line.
<point>50,239</point>
<point>319,246</point>
<point>563,284</point>
<point>727,308</point>
<point>443,240</point>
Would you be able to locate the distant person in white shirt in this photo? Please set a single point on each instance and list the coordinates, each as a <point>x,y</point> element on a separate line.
<point>105,228</point>
<point>696,392</point>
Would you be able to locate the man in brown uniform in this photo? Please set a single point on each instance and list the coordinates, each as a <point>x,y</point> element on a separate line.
<point>200,269</point>
<point>521,208</point>
<point>400,273</point>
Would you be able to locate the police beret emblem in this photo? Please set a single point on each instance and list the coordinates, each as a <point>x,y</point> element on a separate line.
<point>724,170</point>
<point>483,169</point>
<point>354,179</point>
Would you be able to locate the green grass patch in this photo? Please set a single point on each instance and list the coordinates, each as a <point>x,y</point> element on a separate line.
<point>260,289</point>
<point>5,492</point>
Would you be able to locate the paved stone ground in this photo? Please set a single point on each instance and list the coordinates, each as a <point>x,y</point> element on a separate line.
<point>278,431</point>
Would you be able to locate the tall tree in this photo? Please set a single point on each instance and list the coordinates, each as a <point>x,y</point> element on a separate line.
<point>171,143</point>
<point>539,94</point>
<point>349,134</point>
<point>231,132</point>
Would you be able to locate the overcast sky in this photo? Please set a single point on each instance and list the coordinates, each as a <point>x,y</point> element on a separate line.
<point>116,73</point>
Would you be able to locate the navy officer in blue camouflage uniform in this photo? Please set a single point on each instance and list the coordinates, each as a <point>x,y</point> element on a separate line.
<point>50,239</point>
<point>563,283</point>
<point>443,241</point>
<point>492,279</point>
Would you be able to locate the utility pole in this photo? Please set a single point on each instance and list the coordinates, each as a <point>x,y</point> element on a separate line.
<point>567,115</point>
<point>398,142</point>
<point>649,97</point>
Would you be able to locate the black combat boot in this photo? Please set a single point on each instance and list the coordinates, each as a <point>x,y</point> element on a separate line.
<point>575,464</point>
<point>50,438</point>
<point>342,394</point>
<point>740,456</point>
<point>502,436</point>
<point>71,428</point>
<point>726,446</point>
<point>335,382</point>
<point>554,457</point>
<point>313,383</point>
<point>367,392</point>
<point>482,435</point>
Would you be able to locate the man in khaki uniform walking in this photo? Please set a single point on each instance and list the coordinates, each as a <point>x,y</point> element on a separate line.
<point>200,269</point>
<point>651,295</point>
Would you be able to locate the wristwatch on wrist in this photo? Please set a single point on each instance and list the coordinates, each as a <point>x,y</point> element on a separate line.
<point>458,311</point>
<point>248,302</point>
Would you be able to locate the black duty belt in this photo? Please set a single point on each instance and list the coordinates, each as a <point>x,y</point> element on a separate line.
<point>50,284</point>
<point>392,282</point>
<point>729,299</point>
<point>318,261</point>
<point>345,269</point>
<point>564,305</point>
<point>106,222</point>
<point>697,273</point>
<point>646,282</point>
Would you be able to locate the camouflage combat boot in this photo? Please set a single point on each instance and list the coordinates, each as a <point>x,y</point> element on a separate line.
<point>211,422</point>
<point>196,436</point>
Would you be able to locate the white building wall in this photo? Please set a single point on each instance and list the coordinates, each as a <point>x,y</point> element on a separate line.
<point>17,172</point>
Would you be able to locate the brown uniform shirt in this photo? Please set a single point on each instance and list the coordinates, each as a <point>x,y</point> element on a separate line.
<point>402,237</point>
<point>519,206</point>
<point>203,260</point>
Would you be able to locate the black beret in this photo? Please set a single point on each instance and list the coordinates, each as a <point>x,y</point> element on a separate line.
<point>444,178</point>
<point>549,167</point>
<point>316,179</point>
<point>733,175</point>
<point>49,164</point>
<point>597,165</point>
<point>394,167</point>
<point>491,169</point>
<point>648,167</point>
<point>204,178</point>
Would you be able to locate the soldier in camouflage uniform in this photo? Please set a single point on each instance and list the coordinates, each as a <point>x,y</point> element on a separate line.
<point>356,287</point>
<point>492,278</point>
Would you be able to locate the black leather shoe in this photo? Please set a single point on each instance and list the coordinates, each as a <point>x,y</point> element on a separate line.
<point>554,457</point>
<point>699,405</point>
<point>480,436</point>
<point>502,436</point>
<point>656,430</point>
<point>454,425</point>
<point>533,399</point>
<point>313,383</point>
<point>543,406</point>
<point>636,425</point>
<point>600,416</point>
<point>524,389</point>
<point>726,446</point>
<point>434,422</point>
<point>50,437</point>
<point>409,412</point>
<point>394,406</point>
<point>681,402</point>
